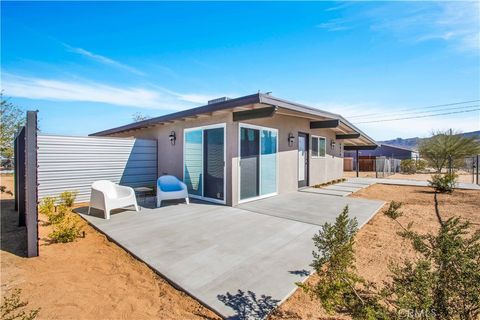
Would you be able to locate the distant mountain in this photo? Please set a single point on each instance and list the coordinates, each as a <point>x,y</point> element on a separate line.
<point>412,143</point>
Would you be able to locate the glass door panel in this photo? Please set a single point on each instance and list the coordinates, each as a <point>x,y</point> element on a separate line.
<point>213,154</point>
<point>249,163</point>
<point>193,162</point>
<point>268,162</point>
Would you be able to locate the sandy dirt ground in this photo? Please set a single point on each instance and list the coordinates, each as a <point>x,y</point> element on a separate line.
<point>377,242</point>
<point>91,278</point>
<point>462,176</point>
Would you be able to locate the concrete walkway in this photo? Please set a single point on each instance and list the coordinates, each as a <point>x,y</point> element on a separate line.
<point>341,189</point>
<point>406,182</point>
<point>352,185</point>
<point>241,261</point>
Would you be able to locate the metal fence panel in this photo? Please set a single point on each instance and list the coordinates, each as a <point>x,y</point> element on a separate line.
<point>31,183</point>
<point>69,163</point>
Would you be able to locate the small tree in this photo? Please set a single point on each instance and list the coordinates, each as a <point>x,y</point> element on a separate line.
<point>12,118</point>
<point>138,116</point>
<point>446,147</point>
<point>339,287</point>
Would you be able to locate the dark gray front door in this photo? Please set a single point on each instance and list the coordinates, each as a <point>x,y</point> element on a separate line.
<point>302,160</point>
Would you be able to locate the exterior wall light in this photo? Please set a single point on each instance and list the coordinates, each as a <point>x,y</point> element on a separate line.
<point>291,139</point>
<point>172,137</point>
<point>332,144</point>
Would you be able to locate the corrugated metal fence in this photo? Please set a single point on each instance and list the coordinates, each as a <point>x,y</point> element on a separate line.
<point>73,163</point>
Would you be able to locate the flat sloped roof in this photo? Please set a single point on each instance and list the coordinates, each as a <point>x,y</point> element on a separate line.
<point>257,98</point>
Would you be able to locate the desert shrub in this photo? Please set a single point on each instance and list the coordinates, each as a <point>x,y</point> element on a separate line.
<point>443,182</point>
<point>66,229</point>
<point>47,206</point>
<point>54,214</point>
<point>444,282</point>
<point>412,166</point>
<point>340,288</point>
<point>14,308</point>
<point>3,189</point>
<point>421,165</point>
<point>408,166</point>
<point>67,198</point>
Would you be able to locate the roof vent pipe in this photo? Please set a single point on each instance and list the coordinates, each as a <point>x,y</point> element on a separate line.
<point>222,99</point>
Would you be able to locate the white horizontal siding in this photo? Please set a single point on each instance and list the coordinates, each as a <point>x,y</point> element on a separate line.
<point>74,163</point>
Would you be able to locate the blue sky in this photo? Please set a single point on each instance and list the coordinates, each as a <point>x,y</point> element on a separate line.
<point>89,66</point>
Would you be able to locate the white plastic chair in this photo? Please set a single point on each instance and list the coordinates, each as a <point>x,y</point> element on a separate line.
<point>170,187</point>
<point>106,195</point>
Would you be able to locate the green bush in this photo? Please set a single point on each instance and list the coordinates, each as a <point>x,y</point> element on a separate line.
<point>411,166</point>
<point>340,288</point>
<point>443,182</point>
<point>408,166</point>
<point>443,282</point>
<point>68,198</point>
<point>47,206</point>
<point>67,229</point>
<point>421,165</point>
<point>13,308</point>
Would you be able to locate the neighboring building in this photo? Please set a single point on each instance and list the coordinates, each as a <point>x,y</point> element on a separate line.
<point>386,150</point>
<point>237,150</point>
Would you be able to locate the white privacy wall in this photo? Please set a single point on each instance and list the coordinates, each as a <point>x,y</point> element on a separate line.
<point>74,163</point>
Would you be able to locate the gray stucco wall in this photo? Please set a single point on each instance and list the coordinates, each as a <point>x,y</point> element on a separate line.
<point>68,163</point>
<point>170,157</point>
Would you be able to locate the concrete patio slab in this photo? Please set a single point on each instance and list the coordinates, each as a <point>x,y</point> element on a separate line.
<point>234,260</point>
<point>312,208</point>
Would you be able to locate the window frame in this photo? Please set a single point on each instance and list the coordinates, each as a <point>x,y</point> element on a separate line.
<point>222,125</point>
<point>260,128</point>
<point>318,146</point>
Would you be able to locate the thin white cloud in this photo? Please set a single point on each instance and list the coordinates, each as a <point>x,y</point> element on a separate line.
<point>88,91</point>
<point>340,6</point>
<point>334,25</point>
<point>198,98</point>
<point>457,23</point>
<point>103,59</point>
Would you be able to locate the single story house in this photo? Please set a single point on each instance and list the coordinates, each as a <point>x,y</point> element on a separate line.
<point>236,150</point>
<point>386,150</point>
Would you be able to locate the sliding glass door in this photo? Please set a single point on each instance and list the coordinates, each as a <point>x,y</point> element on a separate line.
<point>258,162</point>
<point>204,162</point>
<point>213,163</point>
